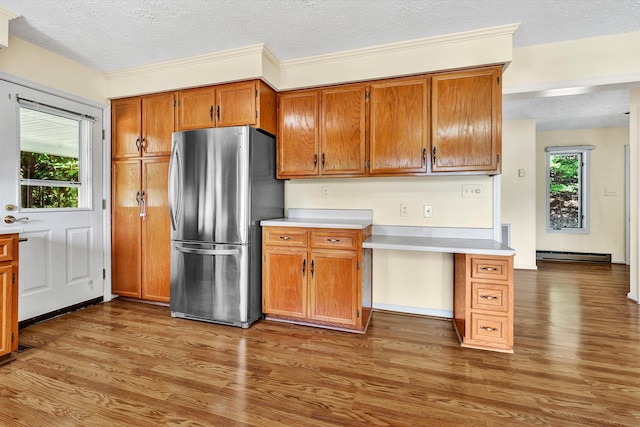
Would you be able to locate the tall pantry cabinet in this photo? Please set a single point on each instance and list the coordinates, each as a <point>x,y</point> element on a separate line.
<point>141,147</point>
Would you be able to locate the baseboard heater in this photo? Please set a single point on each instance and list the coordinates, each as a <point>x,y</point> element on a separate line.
<point>573,257</point>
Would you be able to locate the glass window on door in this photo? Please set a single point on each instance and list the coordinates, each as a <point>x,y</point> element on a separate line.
<point>53,159</point>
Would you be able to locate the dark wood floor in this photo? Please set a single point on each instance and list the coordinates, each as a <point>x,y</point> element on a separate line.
<point>576,362</point>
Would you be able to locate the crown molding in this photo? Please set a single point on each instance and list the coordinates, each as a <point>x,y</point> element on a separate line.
<point>7,14</point>
<point>502,30</point>
<point>257,49</point>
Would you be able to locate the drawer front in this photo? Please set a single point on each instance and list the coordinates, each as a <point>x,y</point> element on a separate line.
<point>332,239</point>
<point>285,236</point>
<point>490,268</point>
<point>6,249</point>
<point>489,296</point>
<point>490,329</point>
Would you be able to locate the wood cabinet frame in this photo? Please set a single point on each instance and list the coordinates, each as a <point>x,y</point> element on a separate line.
<point>8,295</point>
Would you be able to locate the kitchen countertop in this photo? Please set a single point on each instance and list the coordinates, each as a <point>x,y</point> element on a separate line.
<point>439,244</point>
<point>354,219</point>
<point>12,229</point>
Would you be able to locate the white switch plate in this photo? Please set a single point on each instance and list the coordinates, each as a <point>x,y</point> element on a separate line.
<point>427,211</point>
<point>472,191</point>
<point>520,173</point>
<point>404,209</point>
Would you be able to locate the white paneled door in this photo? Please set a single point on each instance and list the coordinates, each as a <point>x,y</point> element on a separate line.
<point>51,182</point>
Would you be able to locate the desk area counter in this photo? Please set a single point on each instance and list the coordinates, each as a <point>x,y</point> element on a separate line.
<point>439,244</point>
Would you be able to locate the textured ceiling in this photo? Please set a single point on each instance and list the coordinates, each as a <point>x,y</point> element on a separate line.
<point>110,35</point>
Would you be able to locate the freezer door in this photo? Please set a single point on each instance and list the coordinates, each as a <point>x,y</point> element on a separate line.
<point>209,185</point>
<point>210,282</point>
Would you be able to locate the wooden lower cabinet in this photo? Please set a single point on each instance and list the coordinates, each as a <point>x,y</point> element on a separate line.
<point>141,246</point>
<point>483,301</point>
<point>8,295</point>
<point>318,277</point>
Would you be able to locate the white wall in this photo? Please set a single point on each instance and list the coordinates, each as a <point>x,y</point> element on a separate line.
<point>518,193</point>
<point>34,64</point>
<point>607,214</point>
<point>634,146</point>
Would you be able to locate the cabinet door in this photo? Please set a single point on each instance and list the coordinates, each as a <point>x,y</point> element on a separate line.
<point>157,124</point>
<point>6,321</point>
<point>342,130</point>
<point>399,126</point>
<point>156,243</point>
<point>298,145</point>
<point>334,287</point>
<point>126,228</point>
<point>467,121</point>
<point>284,282</point>
<point>126,127</point>
<point>236,104</point>
<point>196,108</point>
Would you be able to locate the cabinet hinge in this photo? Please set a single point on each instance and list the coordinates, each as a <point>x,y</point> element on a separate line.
<point>12,336</point>
<point>256,93</point>
<point>357,265</point>
<point>13,278</point>
<point>104,273</point>
<point>357,314</point>
<point>434,155</point>
<point>498,80</point>
<point>175,103</point>
<point>498,157</point>
<point>256,114</point>
<point>367,95</point>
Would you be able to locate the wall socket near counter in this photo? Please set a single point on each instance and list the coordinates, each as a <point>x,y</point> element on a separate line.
<point>472,191</point>
<point>427,211</point>
<point>404,209</point>
<point>325,191</point>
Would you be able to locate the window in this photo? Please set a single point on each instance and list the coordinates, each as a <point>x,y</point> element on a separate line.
<point>54,153</point>
<point>568,189</point>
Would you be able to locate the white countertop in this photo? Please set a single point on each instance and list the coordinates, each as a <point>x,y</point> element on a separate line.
<point>439,244</point>
<point>11,229</point>
<point>354,224</point>
<point>354,219</point>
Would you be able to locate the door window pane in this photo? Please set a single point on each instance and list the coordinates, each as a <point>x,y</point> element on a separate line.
<point>50,160</point>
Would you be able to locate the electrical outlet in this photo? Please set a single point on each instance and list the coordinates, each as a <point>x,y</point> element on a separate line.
<point>325,192</point>
<point>472,191</point>
<point>427,211</point>
<point>610,192</point>
<point>520,173</point>
<point>404,209</point>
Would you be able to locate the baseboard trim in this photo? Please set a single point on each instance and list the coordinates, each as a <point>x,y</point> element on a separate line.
<point>59,312</point>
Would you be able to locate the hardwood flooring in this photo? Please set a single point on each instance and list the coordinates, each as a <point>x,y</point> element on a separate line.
<point>576,363</point>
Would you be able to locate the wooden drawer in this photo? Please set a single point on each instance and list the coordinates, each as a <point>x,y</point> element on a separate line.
<point>490,268</point>
<point>285,236</point>
<point>6,249</point>
<point>489,296</point>
<point>332,239</point>
<point>490,329</point>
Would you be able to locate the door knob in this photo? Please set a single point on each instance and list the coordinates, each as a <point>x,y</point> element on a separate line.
<point>10,219</point>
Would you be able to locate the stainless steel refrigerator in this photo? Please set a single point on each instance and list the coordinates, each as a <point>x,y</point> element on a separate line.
<point>221,185</point>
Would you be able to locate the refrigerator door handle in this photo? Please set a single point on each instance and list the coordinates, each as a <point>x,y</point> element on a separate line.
<point>175,184</point>
<point>207,251</point>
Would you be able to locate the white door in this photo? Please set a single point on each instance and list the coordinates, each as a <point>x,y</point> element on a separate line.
<point>51,173</point>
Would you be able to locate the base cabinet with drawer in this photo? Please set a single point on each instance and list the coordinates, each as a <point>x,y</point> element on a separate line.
<point>8,295</point>
<point>317,276</point>
<point>483,301</point>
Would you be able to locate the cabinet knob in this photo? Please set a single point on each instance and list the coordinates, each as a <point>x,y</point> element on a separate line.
<point>488,328</point>
<point>489,297</point>
<point>285,237</point>
<point>333,240</point>
<point>488,268</point>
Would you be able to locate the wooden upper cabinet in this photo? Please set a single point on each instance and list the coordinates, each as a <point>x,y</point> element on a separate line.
<point>342,130</point>
<point>196,108</point>
<point>126,128</point>
<point>467,121</point>
<point>298,144</point>
<point>157,124</point>
<point>142,126</point>
<point>399,126</point>
<point>250,103</point>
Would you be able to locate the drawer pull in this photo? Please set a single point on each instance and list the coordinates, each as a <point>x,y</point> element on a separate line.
<point>488,268</point>
<point>489,297</point>
<point>488,328</point>
<point>285,237</point>
<point>333,240</point>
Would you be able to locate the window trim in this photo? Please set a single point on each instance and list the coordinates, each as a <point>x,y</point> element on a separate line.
<point>585,199</point>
